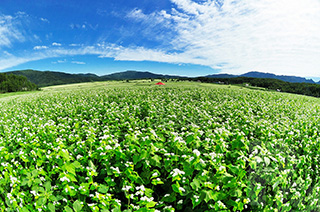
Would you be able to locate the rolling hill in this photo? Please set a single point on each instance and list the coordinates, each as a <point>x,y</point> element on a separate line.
<point>256,74</point>
<point>47,78</point>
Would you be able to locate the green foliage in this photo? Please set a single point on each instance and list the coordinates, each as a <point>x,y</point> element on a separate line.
<point>308,89</point>
<point>48,78</point>
<point>159,149</point>
<point>13,83</point>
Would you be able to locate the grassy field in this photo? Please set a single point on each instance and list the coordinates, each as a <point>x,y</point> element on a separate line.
<point>185,146</point>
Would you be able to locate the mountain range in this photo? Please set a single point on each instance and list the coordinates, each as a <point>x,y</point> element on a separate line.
<point>47,78</point>
<point>256,74</point>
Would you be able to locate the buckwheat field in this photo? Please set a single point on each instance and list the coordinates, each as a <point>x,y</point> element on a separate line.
<point>141,147</point>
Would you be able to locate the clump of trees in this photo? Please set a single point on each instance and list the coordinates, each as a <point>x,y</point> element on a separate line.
<point>268,83</point>
<point>14,83</point>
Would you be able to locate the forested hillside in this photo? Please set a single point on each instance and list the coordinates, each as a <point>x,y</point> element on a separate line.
<point>268,83</point>
<point>13,83</point>
<point>47,78</point>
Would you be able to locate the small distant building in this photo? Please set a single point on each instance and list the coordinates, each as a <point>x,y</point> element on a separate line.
<point>160,83</point>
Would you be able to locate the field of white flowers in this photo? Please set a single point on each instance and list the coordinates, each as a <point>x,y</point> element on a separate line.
<point>168,148</point>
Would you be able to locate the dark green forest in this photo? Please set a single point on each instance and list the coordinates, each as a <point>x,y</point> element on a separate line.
<point>31,80</point>
<point>14,83</point>
<point>307,89</point>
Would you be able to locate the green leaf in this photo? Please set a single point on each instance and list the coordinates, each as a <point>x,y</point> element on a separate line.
<point>24,209</point>
<point>267,161</point>
<point>155,161</point>
<point>232,203</point>
<point>65,155</point>
<point>53,198</point>
<point>70,168</point>
<point>76,164</point>
<point>77,206</point>
<point>71,177</point>
<point>103,189</point>
<point>227,177</point>
<point>51,207</point>
<point>234,169</point>
<point>195,201</point>
<point>276,184</point>
<point>37,181</point>
<point>239,143</point>
<point>117,209</point>
<point>47,185</point>
<point>241,174</point>
<point>170,198</point>
<point>208,195</point>
<point>148,192</point>
<point>25,181</point>
<point>176,187</point>
<point>196,185</point>
<point>68,209</point>
<point>91,165</point>
<point>156,182</point>
<point>136,159</point>
<point>151,204</point>
<point>41,201</point>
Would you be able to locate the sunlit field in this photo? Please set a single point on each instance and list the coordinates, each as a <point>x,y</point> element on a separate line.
<point>116,146</point>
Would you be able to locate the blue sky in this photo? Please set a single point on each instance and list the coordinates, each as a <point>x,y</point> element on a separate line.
<point>183,37</point>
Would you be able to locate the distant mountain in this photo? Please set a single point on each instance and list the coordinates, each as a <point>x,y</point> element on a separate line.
<point>256,74</point>
<point>130,75</point>
<point>285,78</point>
<point>221,76</point>
<point>47,78</point>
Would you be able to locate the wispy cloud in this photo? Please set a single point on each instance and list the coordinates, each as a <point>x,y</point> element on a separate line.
<point>155,26</point>
<point>59,61</point>
<point>45,20</point>
<point>11,61</point>
<point>40,47</point>
<point>74,45</point>
<point>84,26</point>
<point>239,36</point>
<point>78,62</point>
<point>234,36</point>
<point>56,44</point>
<point>9,30</point>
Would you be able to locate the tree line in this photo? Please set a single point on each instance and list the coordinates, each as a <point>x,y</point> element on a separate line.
<point>308,89</point>
<point>14,83</point>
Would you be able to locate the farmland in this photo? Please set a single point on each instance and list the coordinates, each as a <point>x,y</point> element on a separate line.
<point>139,147</point>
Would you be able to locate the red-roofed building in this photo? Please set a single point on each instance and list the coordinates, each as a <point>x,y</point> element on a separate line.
<point>159,83</point>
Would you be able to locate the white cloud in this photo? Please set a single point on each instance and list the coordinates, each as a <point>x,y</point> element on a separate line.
<point>154,26</point>
<point>9,30</point>
<point>278,36</point>
<point>12,61</point>
<point>45,20</point>
<point>40,47</point>
<point>56,44</point>
<point>74,45</point>
<point>78,62</point>
<point>59,61</point>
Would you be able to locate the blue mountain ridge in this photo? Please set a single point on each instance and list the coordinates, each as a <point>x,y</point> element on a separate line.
<point>256,74</point>
<point>45,78</point>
